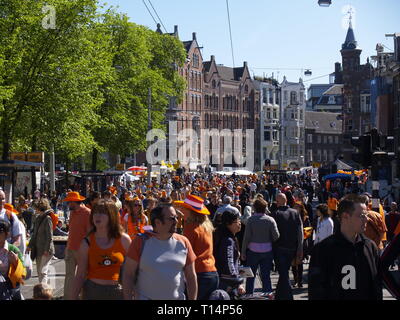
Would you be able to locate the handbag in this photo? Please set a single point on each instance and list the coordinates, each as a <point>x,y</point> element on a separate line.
<point>28,266</point>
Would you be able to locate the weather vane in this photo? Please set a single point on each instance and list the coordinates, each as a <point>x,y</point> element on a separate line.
<point>350,12</point>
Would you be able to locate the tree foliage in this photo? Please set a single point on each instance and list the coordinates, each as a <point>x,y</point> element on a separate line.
<point>82,85</point>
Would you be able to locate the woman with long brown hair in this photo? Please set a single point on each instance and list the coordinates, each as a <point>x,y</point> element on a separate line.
<point>101,255</point>
<point>135,220</point>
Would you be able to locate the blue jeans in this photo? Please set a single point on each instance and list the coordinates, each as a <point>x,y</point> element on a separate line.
<point>283,259</point>
<point>207,282</point>
<point>264,260</point>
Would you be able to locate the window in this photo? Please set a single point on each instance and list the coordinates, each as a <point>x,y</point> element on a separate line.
<point>330,139</point>
<point>275,135</point>
<point>319,139</point>
<point>268,113</point>
<point>214,84</point>
<point>365,103</point>
<point>285,95</point>
<point>301,114</point>
<point>309,138</point>
<point>301,97</point>
<point>264,95</point>
<point>195,60</point>
<point>337,139</point>
<point>310,155</point>
<point>319,155</point>
<point>275,114</point>
<point>267,135</point>
<point>293,97</point>
<point>271,96</point>
<point>325,155</point>
<point>293,150</point>
<point>246,88</point>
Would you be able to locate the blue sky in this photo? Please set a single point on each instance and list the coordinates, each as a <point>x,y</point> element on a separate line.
<point>285,34</point>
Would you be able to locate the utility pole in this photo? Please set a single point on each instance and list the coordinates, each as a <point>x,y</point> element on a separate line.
<point>149,128</point>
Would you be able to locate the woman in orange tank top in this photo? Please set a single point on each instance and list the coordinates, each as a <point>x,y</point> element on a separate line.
<point>135,220</point>
<point>101,255</point>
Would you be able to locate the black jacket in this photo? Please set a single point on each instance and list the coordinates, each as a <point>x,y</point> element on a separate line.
<point>336,261</point>
<point>390,254</point>
<point>290,229</point>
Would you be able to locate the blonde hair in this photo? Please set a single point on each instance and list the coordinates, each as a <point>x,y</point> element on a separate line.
<point>201,220</point>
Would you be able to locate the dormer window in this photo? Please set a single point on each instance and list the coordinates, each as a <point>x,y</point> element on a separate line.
<point>214,84</point>
<point>246,88</point>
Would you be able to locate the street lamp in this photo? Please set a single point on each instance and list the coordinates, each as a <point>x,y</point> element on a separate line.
<point>324,3</point>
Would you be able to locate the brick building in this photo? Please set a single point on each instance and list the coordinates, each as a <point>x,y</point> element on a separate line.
<point>231,101</point>
<point>323,137</point>
<point>356,92</point>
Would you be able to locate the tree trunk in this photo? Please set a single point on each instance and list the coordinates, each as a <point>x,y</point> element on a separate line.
<point>6,140</point>
<point>6,148</point>
<point>94,159</point>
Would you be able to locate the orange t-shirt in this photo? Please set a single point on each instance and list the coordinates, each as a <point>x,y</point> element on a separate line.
<point>105,264</point>
<point>202,244</point>
<point>136,227</point>
<point>79,226</point>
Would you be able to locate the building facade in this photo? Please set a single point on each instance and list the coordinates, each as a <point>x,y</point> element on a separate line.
<point>356,92</point>
<point>323,138</point>
<point>331,100</point>
<point>270,105</point>
<point>231,101</point>
<point>293,106</point>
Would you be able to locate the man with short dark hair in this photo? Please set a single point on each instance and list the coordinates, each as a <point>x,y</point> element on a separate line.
<point>345,265</point>
<point>158,264</point>
<point>289,246</point>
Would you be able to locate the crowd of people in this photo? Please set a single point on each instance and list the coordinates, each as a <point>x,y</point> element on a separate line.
<point>194,234</point>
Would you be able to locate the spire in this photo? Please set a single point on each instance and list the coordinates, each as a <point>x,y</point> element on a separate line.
<point>350,42</point>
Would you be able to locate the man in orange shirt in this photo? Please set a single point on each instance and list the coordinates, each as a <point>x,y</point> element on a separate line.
<point>79,226</point>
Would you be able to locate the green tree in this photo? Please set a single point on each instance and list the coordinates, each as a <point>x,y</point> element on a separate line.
<point>141,59</point>
<point>50,77</point>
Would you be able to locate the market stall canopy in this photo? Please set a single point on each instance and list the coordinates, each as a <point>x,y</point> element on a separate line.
<point>335,176</point>
<point>342,166</point>
<point>135,168</point>
<point>243,172</point>
<point>224,173</point>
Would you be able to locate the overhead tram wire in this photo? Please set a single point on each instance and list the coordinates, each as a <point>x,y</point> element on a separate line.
<point>155,21</point>
<point>230,32</point>
<point>158,16</point>
<point>317,78</point>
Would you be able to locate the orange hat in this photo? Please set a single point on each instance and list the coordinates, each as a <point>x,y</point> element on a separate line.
<point>163,194</point>
<point>195,204</point>
<point>74,197</point>
<point>10,207</point>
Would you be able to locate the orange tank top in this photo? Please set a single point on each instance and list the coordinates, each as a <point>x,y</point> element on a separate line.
<point>105,264</point>
<point>135,227</point>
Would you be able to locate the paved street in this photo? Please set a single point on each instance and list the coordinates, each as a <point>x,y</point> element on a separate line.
<point>58,269</point>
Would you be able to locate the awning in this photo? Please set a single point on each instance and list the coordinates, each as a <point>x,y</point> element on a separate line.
<point>342,166</point>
